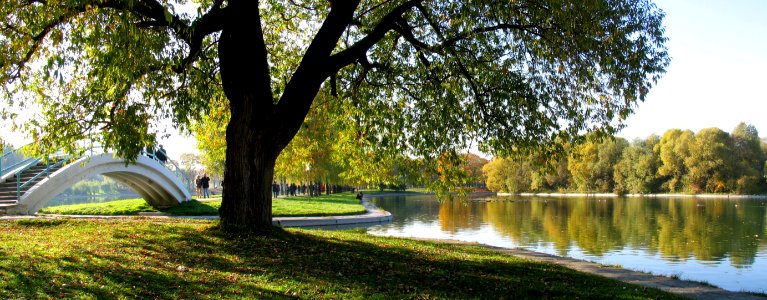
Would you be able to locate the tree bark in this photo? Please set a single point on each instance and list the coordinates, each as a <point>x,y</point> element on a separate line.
<point>250,135</point>
<point>247,183</point>
<point>261,127</point>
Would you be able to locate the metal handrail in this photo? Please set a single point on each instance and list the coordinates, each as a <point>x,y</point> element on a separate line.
<point>16,165</point>
<point>12,151</point>
<point>19,172</point>
<point>176,169</point>
<point>30,162</point>
<point>20,186</point>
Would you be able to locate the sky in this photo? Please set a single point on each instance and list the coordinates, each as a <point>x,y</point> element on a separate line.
<point>716,78</point>
<point>718,69</point>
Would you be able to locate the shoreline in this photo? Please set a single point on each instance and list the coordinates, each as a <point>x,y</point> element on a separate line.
<point>681,287</point>
<point>612,195</point>
<point>686,288</point>
<point>375,215</point>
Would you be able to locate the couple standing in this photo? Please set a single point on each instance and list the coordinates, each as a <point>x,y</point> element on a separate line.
<point>202,184</point>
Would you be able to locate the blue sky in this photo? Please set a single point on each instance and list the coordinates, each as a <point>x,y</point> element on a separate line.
<point>717,76</point>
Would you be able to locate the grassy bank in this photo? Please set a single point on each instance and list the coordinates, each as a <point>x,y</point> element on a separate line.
<point>145,258</point>
<point>325,205</point>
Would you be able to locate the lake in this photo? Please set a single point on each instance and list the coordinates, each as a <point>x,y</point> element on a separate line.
<point>716,240</point>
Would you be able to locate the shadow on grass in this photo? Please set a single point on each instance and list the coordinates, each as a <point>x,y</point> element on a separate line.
<point>192,208</point>
<point>41,223</point>
<point>166,260</point>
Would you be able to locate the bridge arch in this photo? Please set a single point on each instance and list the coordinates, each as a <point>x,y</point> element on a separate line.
<point>147,177</point>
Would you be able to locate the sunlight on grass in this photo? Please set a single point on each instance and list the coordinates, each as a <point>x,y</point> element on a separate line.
<point>325,205</point>
<point>185,259</point>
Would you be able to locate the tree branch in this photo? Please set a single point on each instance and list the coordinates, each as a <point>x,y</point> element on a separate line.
<point>387,23</point>
<point>461,67</point>
<point>314,68</point>
<point>479,30</point>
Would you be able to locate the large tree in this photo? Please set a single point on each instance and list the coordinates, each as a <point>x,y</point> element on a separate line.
<point>748,159</point>
<point>423,77</point>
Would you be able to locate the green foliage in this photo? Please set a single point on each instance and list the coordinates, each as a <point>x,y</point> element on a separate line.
<point>508,175</point>
<point>749,159</point>
<point>591,164</point>
<point>637,170</point>
<point>107,71</point>
<point>711,161</point>
<point>473,166</point>
<point>182,259</point>
<point>98,185</point>
<point>411,79</point>
<point>210,132</point>
<point>672,149</point>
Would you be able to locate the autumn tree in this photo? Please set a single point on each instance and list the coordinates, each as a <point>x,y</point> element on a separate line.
<point>420,77</point>
<point>210,132</point>
<point>473,166</point>
<point>748,159</point>
<point>637,170</point>
<point>710,164</point>
<point>510,175</point>
<point>591,164</point>
<point>672,149</point>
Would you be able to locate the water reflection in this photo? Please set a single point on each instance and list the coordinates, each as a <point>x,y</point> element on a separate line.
<point>670,233</point>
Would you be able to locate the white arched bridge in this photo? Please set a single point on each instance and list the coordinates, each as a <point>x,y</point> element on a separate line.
<point>27,185</point>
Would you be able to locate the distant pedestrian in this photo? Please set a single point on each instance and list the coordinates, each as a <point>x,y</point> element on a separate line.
<point>205,184</point>
<point>275,189</point>
<point>162,156</point>
<point>197,185</point>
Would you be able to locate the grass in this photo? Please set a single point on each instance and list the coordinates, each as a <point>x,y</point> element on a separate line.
<point>119,207</point>
<point>185,259</point>
<point>325,205</point>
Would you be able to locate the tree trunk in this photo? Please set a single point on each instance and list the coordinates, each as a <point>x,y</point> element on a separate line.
<point>252,147</point>
<point>261,127</point>
<point>247,183</point>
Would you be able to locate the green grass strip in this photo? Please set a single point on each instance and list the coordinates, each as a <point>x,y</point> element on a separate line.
<point>186,259</point>
<point>325,205</point>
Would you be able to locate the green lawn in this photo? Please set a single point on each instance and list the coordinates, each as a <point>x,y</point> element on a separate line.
<point>337,204</point>
<point>185,259</point>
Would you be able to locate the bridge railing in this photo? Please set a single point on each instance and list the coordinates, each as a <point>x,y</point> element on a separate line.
<point>17,162</point>
<point>12,159</point>
<point>170,165</point>
<point>20,186</point>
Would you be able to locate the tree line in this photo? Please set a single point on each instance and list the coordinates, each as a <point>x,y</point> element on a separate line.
<point>416,78</point>
<point>681,161</point>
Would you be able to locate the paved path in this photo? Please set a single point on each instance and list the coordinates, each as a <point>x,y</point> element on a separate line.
<point>690,289</point>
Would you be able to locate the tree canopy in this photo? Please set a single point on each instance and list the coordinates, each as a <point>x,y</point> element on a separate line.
<point>418,77</point>
<point>711,161</point>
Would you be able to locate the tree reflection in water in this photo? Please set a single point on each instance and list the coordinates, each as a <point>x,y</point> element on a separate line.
<point>677,229</point>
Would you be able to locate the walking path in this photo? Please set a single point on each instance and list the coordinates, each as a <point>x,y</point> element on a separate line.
<point>690,289</point>
<point>374,215</point>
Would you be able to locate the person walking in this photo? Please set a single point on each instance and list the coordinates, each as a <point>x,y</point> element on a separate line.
<point>275,189</point>
<point>162,156</point>
<point>197,185</point>
<point>205,184</point>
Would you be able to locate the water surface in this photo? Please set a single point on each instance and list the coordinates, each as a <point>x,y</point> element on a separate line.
<point>719,241</point>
